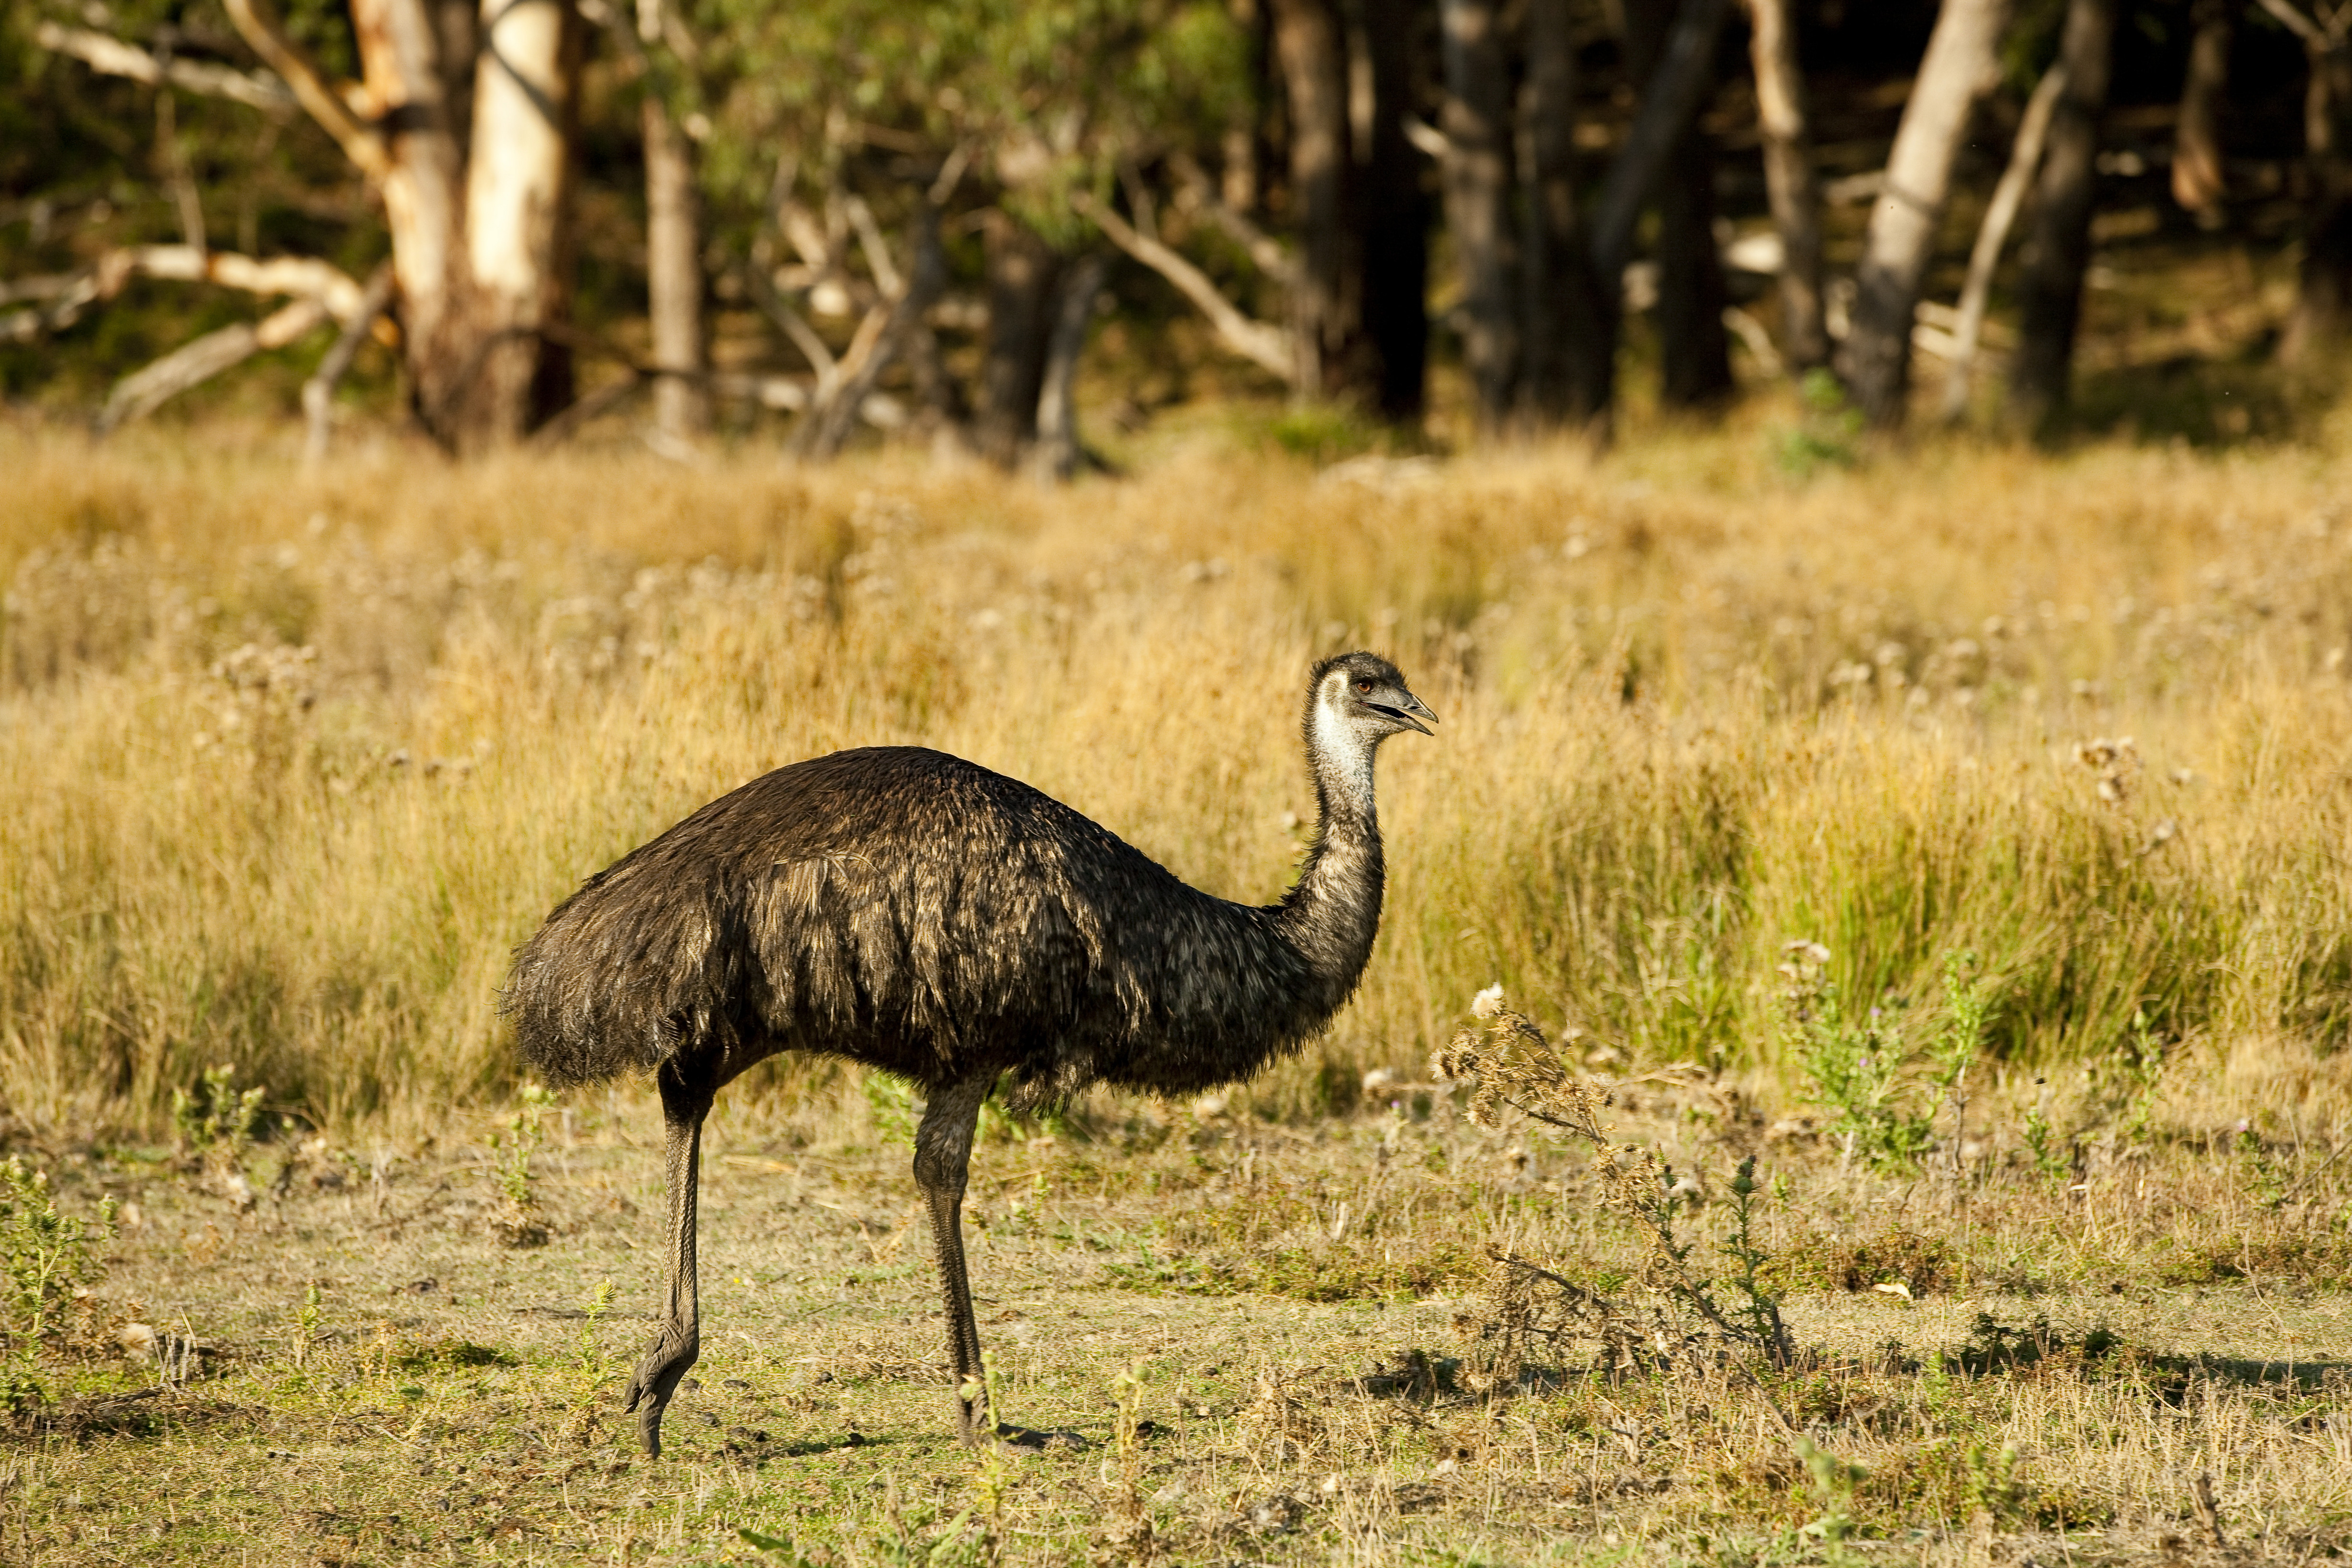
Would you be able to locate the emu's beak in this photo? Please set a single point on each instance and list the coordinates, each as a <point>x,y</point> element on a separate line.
<point>1404,707</point>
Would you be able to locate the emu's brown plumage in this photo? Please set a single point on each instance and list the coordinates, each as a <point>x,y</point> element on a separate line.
<point>915,912</point>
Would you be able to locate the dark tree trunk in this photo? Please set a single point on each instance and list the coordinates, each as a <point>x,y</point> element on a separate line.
<point>2197,179</point>
<point>1058,448</point>
<point>456,26</point>
<point>2323,307</point>
<point>1326,308</point>
<point>1479,199</point>
<point>1789,181</point>
<point>1021,275</point>
<point>1695,353</point>
<point>1570,329</point>
<point>1395,216</point>
<point>2058,232</point>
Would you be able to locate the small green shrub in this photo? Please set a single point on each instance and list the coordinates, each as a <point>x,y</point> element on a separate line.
<point>516,1218</point>
<point>47,1256</point>
<point>1827,424</point>
<point>1885,1095</point>
<point>217,1121</point>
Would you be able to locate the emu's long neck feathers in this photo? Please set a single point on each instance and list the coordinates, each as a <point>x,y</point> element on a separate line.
<point>1333,913</point>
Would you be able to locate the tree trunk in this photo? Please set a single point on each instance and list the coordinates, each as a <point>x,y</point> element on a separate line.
<point>1669,99</point>
<point>674,275</point>
<point>516,193</point>
<point>424,186</point>
<point>1057,453</point>
<point>2323,307</point>
<point>2007,194</point>
<point>2197,183</point>
<point>480,245</point>
<point>1394,212</point>
<point>1478,125</point>
<point>1789,181</point>
<point>1326,299</point>
<point>1570,329</point>
<point>2058,224</point>
<point>457,31</point>
<point>826,426</point>
<point>1021,275</point>
<point>1875,359</point>
<point>1694,351</point>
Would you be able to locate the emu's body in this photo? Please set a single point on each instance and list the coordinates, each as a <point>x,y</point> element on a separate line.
<point>915,912</point>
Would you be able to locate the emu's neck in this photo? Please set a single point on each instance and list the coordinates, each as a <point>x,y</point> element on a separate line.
<point>1332,914</point>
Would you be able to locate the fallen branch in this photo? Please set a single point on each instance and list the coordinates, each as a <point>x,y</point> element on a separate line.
<point>143,391</point>
<point>1267,346</point>
<point>111,57</point>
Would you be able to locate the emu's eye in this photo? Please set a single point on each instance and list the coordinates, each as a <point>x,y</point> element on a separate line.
<point>1364,684</point>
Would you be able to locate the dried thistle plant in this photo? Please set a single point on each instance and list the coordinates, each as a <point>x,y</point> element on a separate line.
<point>1512,1065</point>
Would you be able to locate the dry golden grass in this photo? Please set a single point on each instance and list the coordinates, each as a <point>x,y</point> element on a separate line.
<point>293,761</point>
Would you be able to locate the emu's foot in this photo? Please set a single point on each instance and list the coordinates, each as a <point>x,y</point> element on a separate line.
<point>657,1378</point>
<point>1024,1440</point>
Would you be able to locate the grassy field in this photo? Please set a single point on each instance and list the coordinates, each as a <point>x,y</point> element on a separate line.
<point>288,762</point>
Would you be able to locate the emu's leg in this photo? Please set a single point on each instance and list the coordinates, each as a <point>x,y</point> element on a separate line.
<point>686,1092</point>
<point>942,1159</point>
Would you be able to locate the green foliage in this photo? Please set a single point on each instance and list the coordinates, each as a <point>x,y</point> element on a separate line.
<point>306,1319</point>
<point>1885,1096</point>
<point>1827,427</point>
<point>2052,1156</point>
<point>1833,1480</point>
<point>591,1350</point>
<point>892,1100</point>
<point>1992,1484</point>
<point>1323,432</point>
<point>1759,1308</point>
<point>512,1149</point>
<point>1055,98</point>
<point>217,1121</point>
<point>44,1257</point>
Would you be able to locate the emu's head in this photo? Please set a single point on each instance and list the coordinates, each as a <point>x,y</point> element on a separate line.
<point>1357,700</point>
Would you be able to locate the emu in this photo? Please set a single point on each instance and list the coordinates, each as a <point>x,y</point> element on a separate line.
<point>915,912</point>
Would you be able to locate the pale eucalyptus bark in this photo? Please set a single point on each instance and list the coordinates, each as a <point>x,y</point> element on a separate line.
<point>478,245</point>
<point>674,276</point>
<point>1875,359</point>
<point>2058,235</point>
<point>1789,181</point>
<point>517,191</point>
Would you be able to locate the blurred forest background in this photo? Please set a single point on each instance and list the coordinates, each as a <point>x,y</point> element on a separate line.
<point>1401,220</point>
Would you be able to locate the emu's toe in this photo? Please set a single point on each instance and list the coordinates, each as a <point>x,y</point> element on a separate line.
<point>651,1385</point>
